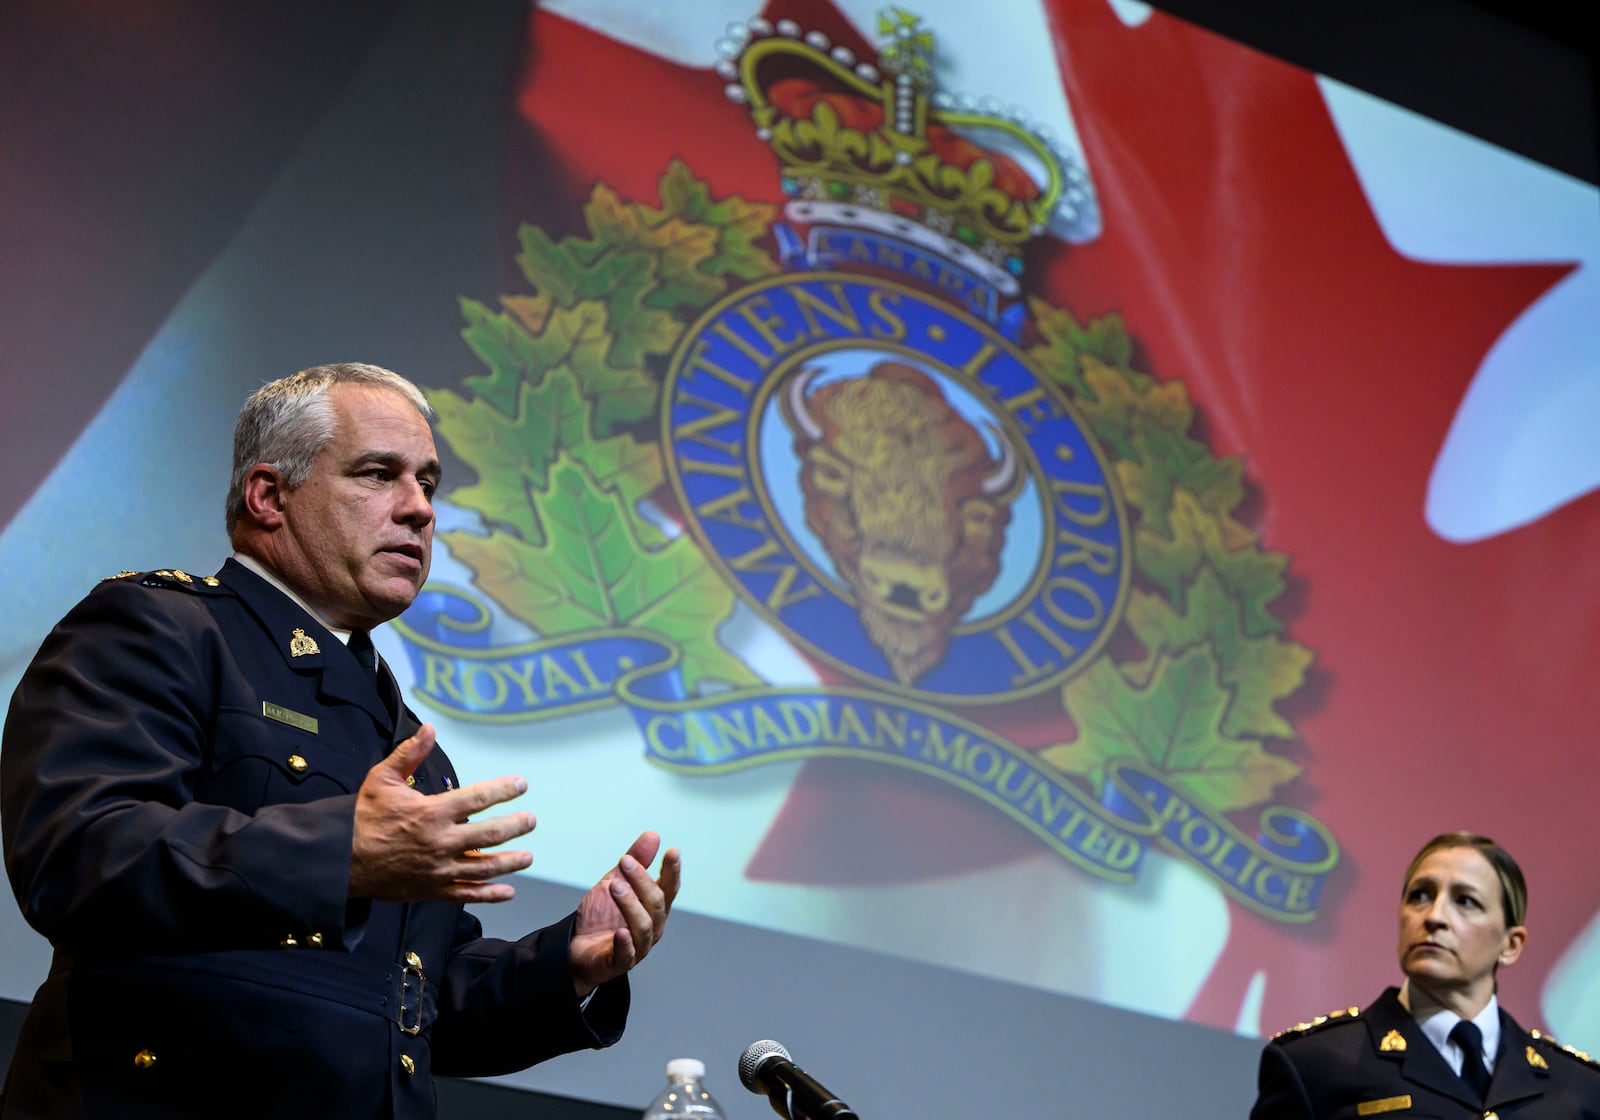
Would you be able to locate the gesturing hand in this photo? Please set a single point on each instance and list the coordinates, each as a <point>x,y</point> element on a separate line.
<point>623,915</point>
<point>410,846</point>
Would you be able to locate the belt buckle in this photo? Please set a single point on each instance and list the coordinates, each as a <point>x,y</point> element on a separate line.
<point>413,968</point>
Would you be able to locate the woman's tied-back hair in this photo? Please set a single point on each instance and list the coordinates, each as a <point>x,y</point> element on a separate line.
<point>1513,888</point>
<point>288,421</point>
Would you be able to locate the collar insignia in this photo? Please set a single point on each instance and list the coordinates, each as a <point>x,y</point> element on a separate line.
<point>300,645</point>
<point>1536,1059</point>
<point>1393,1043</point>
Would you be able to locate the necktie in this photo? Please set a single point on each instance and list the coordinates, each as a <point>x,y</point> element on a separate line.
<point>1467,1036</point>
<point>361,646</point>
<point>367,657</point>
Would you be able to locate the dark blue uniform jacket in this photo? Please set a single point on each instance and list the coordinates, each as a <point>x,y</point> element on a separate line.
<point>1377,1062</point>
<point>179,828</point>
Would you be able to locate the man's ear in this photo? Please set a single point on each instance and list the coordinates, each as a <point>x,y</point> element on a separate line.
<point>264,496</point>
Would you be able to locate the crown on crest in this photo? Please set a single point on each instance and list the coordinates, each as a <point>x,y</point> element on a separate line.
<point>878,146</point>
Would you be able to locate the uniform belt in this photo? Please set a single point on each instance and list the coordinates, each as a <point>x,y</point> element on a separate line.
<point>392,990</point>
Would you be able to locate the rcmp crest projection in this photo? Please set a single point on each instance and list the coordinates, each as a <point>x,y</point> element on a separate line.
<point>844,416</point>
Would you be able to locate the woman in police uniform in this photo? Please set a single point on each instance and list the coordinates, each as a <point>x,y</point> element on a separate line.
<point>1440,1045</point>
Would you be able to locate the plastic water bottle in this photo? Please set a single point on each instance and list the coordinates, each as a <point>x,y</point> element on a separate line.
<point>685,1097</point>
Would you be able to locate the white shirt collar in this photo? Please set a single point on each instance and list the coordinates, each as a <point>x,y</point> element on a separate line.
<point>1437,1021</point>
<point>271,577</point>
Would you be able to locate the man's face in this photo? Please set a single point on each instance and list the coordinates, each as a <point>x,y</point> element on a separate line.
<point>1453,925</point>
<point>357,536</point>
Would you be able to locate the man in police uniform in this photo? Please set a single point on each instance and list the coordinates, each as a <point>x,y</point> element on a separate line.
<point>1440,1045</point>
<point>248,856</point>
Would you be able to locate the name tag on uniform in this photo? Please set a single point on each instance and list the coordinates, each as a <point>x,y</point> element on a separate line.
<point>1388,1104</point>
<point>293,719</point>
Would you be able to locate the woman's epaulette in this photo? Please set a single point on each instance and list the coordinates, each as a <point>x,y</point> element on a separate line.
<point>1555,1046</point>
<point>1343,1015</point>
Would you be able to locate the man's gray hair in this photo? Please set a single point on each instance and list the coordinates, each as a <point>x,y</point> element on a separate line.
<point>288,421</point>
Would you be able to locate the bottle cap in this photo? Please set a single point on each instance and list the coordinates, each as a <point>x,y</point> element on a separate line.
<point>691,1068</point>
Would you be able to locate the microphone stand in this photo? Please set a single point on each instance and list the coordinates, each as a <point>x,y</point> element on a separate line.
<point>783,1103</point>
<point>778,1097</point>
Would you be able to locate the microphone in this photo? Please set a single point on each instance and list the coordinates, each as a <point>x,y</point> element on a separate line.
<point>765,1067</point>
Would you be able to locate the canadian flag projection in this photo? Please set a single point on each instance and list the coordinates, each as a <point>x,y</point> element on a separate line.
<point>1444,679</point>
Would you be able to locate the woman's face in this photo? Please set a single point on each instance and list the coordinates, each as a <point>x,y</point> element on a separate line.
<point>1453,931</point>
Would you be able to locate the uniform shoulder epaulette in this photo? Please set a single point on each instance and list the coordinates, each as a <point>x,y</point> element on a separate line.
<point>175,578</point>
<point>1557,1047</point>
<point>1343,1015</point>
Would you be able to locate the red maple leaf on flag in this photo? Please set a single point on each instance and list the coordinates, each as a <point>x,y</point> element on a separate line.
<point>1240,249</point>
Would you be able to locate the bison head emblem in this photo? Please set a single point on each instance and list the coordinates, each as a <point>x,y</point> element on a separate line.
<point>902,492</point>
